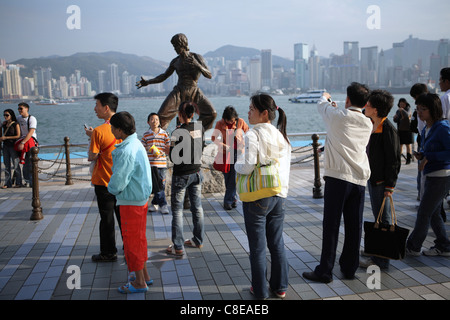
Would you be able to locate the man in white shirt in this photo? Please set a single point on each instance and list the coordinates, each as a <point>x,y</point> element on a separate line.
<point>444,83</point>
<point>346,173</point>
<point>28,125</point>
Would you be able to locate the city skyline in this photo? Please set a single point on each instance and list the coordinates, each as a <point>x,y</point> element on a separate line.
<point>32,29</point>
<point>411,61</point>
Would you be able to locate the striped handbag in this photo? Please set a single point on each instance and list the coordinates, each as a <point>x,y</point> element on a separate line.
<point>263,182</point>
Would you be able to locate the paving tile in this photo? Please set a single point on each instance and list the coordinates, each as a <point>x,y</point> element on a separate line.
<point>34,256</point>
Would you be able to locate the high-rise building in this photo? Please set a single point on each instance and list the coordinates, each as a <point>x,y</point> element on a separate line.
<point>369,65</point>
<point>351,48</point>
<point>382,75</point>
<point>102,82</point>
<point>266,68</point>
<point>444,52</point>
<point>63,87</point>
<point>397,77</point>
<point>125,84</point>
<point>114,80</point>
<point>42,81</point>
<point>314,69</point>
<point>27,86</point>
<point>301,54</point>
<point>254,75</point>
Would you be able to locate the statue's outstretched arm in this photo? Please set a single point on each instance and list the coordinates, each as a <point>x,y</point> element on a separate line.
<point>158,79</point>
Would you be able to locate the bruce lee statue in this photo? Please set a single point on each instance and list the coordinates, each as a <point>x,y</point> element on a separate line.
<point>189,67</point>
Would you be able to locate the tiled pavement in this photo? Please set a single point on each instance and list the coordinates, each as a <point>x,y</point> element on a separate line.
<point>38,258</point>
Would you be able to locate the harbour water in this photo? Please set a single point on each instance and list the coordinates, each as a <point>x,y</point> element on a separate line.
<point>57,121</point>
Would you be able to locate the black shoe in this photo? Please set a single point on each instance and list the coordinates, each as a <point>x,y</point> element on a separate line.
<point>408,158</point>
<point>104,257</point>
<point>348,276</point>
<point>314,277</point>
<point>227,206</point>
<point>234,204</point>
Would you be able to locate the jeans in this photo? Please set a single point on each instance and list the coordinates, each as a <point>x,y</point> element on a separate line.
<point>347,199</point>
<point>27,171</point>
<point>107,207</point>
<point>159,198</point>
<point>10,157</point>
<point>230,186</point>
<point>429,214</point>
<point>193,184</point>
<point>264,220</point>
<point>376,199</point>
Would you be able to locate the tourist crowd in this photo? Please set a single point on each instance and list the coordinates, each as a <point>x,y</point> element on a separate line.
<point>362,149</point>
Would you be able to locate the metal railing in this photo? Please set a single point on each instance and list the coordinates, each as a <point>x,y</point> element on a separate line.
<point>36,203</point>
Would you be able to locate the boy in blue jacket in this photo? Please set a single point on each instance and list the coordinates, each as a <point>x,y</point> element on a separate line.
<point>131,183</point>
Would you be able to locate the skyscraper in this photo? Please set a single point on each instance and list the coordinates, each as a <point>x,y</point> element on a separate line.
<point>102,82</point>
<point>254,75</point>
<point>114,77</point>
<point>397,80</point>
<point>382,75</point>
<point>369,65</point>
<point>42,80</point>
<point>266,68</point>
<point>301,54</point>
<point>313,65</point>
<point>351,48</point>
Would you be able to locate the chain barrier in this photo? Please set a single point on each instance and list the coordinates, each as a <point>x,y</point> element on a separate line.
<point>59,160</point>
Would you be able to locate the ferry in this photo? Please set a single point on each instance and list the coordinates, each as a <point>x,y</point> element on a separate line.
<point>47,102</point>
<point>311,96</point>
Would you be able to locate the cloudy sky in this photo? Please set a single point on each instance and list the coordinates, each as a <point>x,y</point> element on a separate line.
<point>37,28</point>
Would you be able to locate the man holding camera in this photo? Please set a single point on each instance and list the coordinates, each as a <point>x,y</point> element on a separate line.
<point>346,173</point>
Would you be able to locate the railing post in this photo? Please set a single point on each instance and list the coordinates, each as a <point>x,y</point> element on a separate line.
<point>68,170</point>
<point>36,202</point>
<point>317,190</point>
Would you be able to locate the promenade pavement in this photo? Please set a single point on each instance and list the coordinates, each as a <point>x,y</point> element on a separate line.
<point>40,260</point>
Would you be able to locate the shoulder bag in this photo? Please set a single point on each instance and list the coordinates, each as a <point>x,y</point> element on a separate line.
<point>383,240</point>
<point>263,182</point>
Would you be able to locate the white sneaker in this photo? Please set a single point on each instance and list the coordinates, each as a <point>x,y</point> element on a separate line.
<point>413,253</point>
<point>153,208</point>
<point>436,252</point>
<point>164,209</point>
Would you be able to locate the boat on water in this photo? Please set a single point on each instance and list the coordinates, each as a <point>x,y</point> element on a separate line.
<point>66,101</point>
<point>311,96</point>
<point>47,102</point>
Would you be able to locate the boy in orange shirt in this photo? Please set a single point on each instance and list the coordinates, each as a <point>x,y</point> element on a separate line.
<point>101,146</point>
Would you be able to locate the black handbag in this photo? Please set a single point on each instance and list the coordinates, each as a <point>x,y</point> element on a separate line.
<point>385,240</point>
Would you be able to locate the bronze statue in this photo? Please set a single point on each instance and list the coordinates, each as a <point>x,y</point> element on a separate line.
<point>189,67</point>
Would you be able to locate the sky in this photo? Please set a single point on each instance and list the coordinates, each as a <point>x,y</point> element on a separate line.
<point>39,28</point>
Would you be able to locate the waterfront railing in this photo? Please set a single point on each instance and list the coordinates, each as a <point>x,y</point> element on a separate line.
<point>312,149</point>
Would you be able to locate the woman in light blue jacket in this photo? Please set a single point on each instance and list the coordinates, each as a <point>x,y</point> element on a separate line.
<point>131,183</point>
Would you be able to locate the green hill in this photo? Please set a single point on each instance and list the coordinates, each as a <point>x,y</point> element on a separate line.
<point>90,63</point>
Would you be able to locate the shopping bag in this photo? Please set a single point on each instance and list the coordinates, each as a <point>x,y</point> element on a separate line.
<point>385,240</point>
<point>263,182</point>
<point>222,162</point>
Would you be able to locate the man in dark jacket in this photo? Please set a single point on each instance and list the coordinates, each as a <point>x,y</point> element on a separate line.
<point>384,158</point>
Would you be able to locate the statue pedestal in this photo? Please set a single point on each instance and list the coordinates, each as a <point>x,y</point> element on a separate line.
<point>212,179</point>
